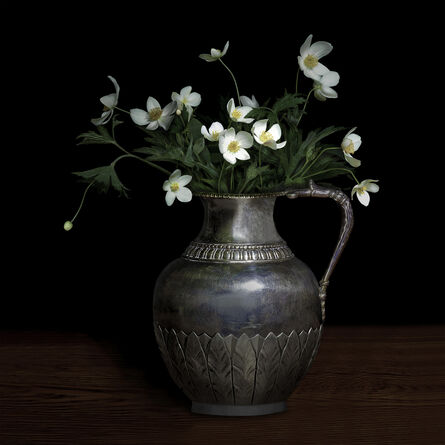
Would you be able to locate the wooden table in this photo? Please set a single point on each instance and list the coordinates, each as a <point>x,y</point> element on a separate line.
<point>368,385</point>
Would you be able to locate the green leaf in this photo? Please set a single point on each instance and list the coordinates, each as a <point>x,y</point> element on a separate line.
<point>199,145</point>
<point>95,137</point>
<point>195,128</point>
<point>286,102</point>
<point>104,177</point>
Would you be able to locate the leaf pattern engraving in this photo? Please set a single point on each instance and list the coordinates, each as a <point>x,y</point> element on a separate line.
<point>244,367</point>
<point>197,366</point>
<point>289,364</point>
<point>178,362</point>
<point>267,368</point>
<point>237,370</point>
<point>220,370</point>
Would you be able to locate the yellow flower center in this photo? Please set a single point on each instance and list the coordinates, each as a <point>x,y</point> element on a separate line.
<point>311,61</point>
<point>265,136</point>
<point>236,114</point>
<point>349,148</point>
<point>174,187</point>
<point>361,190</point>
<point>215,135</point>
<point>233,147</point>
<point>155,114</point>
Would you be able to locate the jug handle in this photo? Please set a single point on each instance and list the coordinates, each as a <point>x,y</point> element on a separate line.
<point>347,222</point>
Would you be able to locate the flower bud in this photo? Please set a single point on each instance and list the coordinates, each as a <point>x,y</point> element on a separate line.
<point>178,112</point>
<point>68,225</point>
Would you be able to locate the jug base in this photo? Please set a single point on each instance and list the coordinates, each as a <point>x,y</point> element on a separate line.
<point>238,410</point>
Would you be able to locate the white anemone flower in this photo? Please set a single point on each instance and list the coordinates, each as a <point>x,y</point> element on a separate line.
<point>323,86</point>
<point>266,137</point>
<point>246,101</point>
<point>215,54</point>
<point>155,116</point>
<point>109,102</point>
<point>238,114</point>
<point>350,144</point>
<point>310,54</point>
<point>187,98</point>
<point>212,134</point>
<point>362,189</point>
<point>175,188</point>
<point>233,145</point>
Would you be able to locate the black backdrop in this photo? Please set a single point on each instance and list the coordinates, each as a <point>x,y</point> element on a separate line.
<point>101,274</point>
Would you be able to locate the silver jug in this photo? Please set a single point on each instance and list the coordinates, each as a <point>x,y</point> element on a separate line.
<point>238,318</point>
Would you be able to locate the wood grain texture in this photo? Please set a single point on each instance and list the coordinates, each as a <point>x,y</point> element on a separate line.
<point>367,385</point>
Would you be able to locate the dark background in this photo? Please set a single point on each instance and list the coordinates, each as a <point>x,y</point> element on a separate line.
<point>101,275</point>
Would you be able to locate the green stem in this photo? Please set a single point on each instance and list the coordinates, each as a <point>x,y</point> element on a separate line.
<point>304,169</point>
<point>296,80</point>
<point>304,107</point>
<point>329,170</point>
<point>231,178</point>
<point>234,80</point>
<point>121,109</point>
<point>130,155</point>
<point>220,176</point>
<point>259,165</point>
<point>82,201</point>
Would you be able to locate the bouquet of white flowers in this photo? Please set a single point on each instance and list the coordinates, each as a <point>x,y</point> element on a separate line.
<point>252,148</point>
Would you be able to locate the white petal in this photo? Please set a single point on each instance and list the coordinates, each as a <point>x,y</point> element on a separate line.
<point>185,91</point>
<point>139,117</point>
<point>109,101</point>
<point>175,175</point>
<point>373,188</point>
<point>329,92</point>
<point>169,109</point>
<point>194,99</point>
<point>320,49</point>
<point>281,144</point>
<point>364,198</point>
<point>245,139</point>
<point>205,132</point>
<point>275,131</point>
<point>217,127</point>
<point>226,47</point>
<point>306,45</point>
<point>166,185</point>
<point>165,121</point>
<point>103,119</point>
<point>215,53</point>
<point>207,57</point>
<point>259,126</point>
<point>230,106</point>
<point>350,131</point>
<point>184,194</point>
<point>116,85</point>
<point>229,157</point>
<point>152,103</point>
<point>176,97</point>
<point>318,95</point>
<point>352,161</point>
<point>356,140</point>
<point>153,125</point>
<point>169,197</point>
<point>242,154</point>
<point>244,110</point>
<point>320,69</point>
<point>330,79</point>
<point>271,144</point>
<point>184,180</point>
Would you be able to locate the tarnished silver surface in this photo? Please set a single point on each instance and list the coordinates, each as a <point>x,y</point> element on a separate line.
<point>238,313</point>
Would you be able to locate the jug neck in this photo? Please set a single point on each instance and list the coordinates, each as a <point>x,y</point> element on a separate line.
<point>239,220</point>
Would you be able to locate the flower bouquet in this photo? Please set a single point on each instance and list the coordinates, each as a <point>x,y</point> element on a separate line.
<point>246,148</point>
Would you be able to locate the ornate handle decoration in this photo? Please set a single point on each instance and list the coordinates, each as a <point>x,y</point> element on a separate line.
<point>346,226</point>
